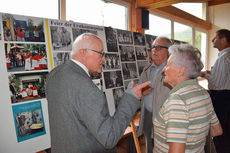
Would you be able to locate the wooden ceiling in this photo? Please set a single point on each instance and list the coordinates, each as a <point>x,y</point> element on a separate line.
<point>164,7</point>
<point>153,4</point>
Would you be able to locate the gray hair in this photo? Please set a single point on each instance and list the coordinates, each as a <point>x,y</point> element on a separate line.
<point>188,56</point>
<point>167,41</point>
<point>79,43</point>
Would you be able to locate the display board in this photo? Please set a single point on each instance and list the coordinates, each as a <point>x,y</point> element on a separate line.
<point>30,48</point>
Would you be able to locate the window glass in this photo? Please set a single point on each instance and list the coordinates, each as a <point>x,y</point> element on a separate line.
<point>182,32</point>
<point>159,26</point>
<point>41,8</point>
<point>195,9</point>
<point>97,12</point>
<point>200,43</point>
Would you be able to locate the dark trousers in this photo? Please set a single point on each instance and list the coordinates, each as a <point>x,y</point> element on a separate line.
<point>221,104</point>
<point>147,129</point>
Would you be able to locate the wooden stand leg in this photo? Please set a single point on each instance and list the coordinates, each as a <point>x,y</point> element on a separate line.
<point>135,137</point>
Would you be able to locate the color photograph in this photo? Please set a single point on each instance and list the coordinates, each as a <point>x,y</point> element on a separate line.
<point>29,122</point>
<point>27,86</point>
<point>25,57</point>
<point>22,29</point>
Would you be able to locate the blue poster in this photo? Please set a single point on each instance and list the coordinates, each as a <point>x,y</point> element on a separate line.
<point>29,121</point>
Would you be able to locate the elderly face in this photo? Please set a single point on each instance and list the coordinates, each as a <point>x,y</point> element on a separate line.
<point>95,60</point>
<point>171,71</point>
<point>159,54</point>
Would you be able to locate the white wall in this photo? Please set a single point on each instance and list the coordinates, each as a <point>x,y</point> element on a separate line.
<point>219,17</point>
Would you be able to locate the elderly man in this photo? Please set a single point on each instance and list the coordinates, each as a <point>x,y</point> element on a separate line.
<point>219,86</point>
<point>78,112</point>
<point>185,118</point>
<point>152,102</point>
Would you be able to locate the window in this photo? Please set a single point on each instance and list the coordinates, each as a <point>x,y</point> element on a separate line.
<point>195,9</point>
<point>159,26</point>
<point>97,12</point>
<point>31,8</point>
<point>200,43</point>
<point>182,32</point>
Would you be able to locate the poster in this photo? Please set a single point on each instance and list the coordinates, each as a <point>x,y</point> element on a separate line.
<point>29,122</point>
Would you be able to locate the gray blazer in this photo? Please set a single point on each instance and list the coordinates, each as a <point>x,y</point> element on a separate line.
<point>78,113</point>
<point>161,93</point>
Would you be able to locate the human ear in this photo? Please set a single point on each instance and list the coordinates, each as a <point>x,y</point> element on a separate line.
<point>181,70</point>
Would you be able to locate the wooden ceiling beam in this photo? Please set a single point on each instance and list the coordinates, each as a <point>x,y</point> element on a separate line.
<point>217,2</point>
<point>153,4</point>
<point>179,15</point>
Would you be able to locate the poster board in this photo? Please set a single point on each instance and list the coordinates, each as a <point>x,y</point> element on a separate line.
<point>30,48</point>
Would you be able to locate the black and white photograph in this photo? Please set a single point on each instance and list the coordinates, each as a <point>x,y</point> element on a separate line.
<point>60,58</point>
<point>141,65</point>
<point>113,79</point>
<point>29,120</point>
<point>129,71</point>
<point>117,95</point>
<point>27,86</point>
<point>112,61</point>
<point>126,83</point>
<point>22,28</point>
<point>127,53</point>
<point>124,37</point>
<point>111,39</point>
<point>141,53</point>
<point>61,38</point>
<point>139,39</point>
<point>149,40</point>
<point>77,32</point>
<point>25,57</point>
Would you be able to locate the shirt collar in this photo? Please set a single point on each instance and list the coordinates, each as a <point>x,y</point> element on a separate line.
<point>82,66</point>
<point>154,65</point>
<point>184,84</point>
<point>223,51</point>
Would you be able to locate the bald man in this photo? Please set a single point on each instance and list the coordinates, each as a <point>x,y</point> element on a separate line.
<point>78,111</point>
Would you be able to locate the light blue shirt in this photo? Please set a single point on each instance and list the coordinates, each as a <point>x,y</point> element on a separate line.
<point>219,78</point>
<point>148,99</point>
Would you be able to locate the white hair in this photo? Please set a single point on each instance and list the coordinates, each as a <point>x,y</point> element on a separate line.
<point>188,56</point>
<point>80,42</point>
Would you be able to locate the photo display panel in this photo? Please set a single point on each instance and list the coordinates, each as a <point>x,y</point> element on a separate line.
<point>31,47</point>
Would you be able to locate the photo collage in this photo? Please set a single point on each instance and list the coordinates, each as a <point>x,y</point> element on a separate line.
<point>27,67</point>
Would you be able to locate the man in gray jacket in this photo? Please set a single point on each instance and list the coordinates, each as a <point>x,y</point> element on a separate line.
<point>78,111</point>
<point>157,93</point>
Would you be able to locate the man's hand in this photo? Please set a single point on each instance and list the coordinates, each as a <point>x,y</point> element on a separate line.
<point>146,90</point>
<point>138,88</point>
<point>176,147</point>
<point>204,73</point>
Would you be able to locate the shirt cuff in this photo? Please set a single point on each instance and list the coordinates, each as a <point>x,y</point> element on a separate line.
<point>129,90</point>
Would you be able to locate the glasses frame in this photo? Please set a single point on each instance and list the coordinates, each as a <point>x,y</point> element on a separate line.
<point>99,52</point>
<point>157,48</point>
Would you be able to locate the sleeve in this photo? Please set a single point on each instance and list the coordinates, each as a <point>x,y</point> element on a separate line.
<point>95,115</point>
<point>176,118</point>
<point>214,119</point>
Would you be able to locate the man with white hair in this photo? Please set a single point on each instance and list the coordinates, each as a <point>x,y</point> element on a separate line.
<point>78,111</point>
<point>185,118</point>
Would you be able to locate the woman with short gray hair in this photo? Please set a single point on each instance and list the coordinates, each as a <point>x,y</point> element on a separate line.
<point>185,118</point>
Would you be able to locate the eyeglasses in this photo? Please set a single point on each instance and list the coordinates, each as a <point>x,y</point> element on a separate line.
<point>157,48</point>
<point>99,52</point>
